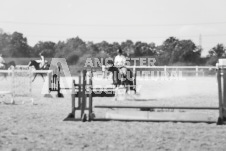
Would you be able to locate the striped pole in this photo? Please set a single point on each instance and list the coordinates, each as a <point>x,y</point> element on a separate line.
<point>83,106</point>
<point>90,95</point>
<point>224,95</point>
<point>73,98</point>
<point>30,85</point>
<point>196,70</point>
<point>13,86</point>
<point>219,80</point>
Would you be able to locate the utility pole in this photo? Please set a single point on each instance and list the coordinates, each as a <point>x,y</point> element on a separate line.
<point>200,41</point>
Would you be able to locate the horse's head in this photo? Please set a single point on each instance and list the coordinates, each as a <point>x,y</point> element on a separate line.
<point>34,63</point>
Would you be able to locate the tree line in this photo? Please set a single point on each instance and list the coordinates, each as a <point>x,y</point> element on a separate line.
<point>172,51</point>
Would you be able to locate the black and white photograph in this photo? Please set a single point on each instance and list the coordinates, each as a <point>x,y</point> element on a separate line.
<point>112,75</point>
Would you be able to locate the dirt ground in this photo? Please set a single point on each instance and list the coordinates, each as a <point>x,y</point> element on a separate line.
<point>41,126</point>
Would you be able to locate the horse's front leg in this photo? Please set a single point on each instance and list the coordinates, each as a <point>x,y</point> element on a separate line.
<point>34,77</point>
<point>5,75</point>
<point>126,85</point>
<point>127,88</point>
<point>116,93</point>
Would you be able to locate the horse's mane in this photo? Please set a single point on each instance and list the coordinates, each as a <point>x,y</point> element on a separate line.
<point>34,63</point>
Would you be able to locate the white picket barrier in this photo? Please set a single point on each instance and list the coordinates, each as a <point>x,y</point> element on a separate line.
<point>21,85</point>
<point>6,90</point>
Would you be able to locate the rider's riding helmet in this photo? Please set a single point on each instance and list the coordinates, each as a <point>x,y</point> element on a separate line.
<point>119,51</point>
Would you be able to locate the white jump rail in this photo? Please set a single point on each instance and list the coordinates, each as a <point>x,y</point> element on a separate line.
<point>42,71</point>
<point>33,71</point>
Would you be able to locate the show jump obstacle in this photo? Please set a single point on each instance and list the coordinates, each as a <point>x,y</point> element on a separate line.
<point>21,85</point>
<point>83,90</point>
<point>53,82</point>
<point>221,79</point>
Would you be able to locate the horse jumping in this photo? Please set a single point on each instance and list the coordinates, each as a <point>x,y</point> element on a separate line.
<point>37,67</point>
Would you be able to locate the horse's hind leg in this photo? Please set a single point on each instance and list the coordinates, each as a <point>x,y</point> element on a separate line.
<point>43,77</point>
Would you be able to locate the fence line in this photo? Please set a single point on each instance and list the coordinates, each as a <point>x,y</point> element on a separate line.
<point>170,67</point>
<point>185,69</point>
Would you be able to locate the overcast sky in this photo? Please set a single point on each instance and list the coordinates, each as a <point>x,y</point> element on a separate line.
<point>116,20</point>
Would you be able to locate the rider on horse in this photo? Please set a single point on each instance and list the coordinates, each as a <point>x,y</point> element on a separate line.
<point>42,60</point>
<point>2,62</point>
<point>122,76</point>
<point>120,61</point>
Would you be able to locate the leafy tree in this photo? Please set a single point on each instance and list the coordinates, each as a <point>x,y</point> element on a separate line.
<point>186,51</point>
<point>14,45</point>
<point>19,46</point>
<point>152,49</point>
<point>165,51</point>
<point>128,47</point>
<point>5,44</point>
<point>174,51</point>
<point>92,48</point>
<point>47,47</point>
<point>72,49</point>
<point>105,47</point>
<point>144,49</point>
<point>219,51</point>
<point>58,49</point>
<point>212,60</point>
<point>115,46</point>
